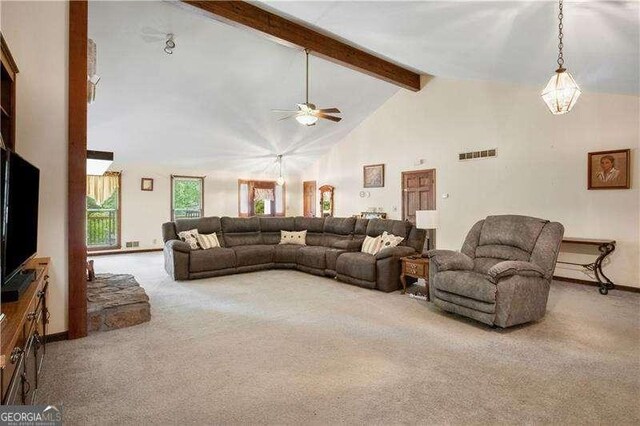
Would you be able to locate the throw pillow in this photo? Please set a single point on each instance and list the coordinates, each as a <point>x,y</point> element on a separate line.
<point>290,237</point>
<point>389,240</point>
<point>371,245</point>
<point>190,237</point>
<point>207,241</point>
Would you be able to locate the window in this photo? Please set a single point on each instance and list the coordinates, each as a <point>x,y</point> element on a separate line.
<point>260,198</point>
<point>103,211</point>
<point>187,197</point>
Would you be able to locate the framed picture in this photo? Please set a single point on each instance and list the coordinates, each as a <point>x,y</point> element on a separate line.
<point>146,184</point>
<point>373,176</point>
<point>609,169</point>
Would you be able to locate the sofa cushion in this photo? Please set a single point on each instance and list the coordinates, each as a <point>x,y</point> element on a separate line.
<point>466,283</point>
<point>204,225</point>
<point>337,229</point>
<point>398,228</point>
<point>211,259</point>
<point>286,253</point>
<point>314,227</point>
<point>312,256</point>
<point>389,240</point>
<point>357,265</point>
<point>371,245</point>
<point>511,230</point>
<point>253,254</point>
<point>190,237</point>
<point>239,231</point>
<point>270,228</point>
<point>360,227</point>
<point>331,257</point>
<point>207,241</point>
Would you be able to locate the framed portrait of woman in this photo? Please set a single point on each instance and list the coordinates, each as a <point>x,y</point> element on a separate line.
<point>609,169</point>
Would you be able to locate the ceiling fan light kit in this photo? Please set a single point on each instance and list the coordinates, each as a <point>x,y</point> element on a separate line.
<point>307,114</point>
<point>561,92</point>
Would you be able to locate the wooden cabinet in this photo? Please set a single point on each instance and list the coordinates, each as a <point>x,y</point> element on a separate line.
<point>24,332</point>
<point>8,74</point>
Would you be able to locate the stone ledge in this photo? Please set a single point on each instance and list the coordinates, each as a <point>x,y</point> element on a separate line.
<point>116,301</point>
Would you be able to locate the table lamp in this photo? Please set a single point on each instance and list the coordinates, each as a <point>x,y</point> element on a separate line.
<point>427,219</point>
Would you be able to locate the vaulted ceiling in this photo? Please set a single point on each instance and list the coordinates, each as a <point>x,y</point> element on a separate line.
<point>208,105</point>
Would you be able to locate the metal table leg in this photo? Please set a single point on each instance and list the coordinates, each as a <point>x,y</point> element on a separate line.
<point>606,284</point>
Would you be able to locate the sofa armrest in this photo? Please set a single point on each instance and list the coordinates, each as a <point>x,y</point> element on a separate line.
<point>397,251</point>
<point>349,245</point>
<point>449,260</point>
<point>514,267</point>
<point>178,245</point>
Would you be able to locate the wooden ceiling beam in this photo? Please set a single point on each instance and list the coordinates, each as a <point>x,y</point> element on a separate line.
<point>282,30</point>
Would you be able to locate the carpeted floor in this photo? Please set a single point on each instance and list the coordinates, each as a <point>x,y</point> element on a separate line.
<point>287,347</point>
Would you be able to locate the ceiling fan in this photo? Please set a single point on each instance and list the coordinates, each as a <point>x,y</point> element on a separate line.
<point>307,114</point>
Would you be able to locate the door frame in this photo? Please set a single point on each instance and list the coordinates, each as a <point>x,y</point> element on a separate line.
<point>313,203</point>
<point>402,188</point>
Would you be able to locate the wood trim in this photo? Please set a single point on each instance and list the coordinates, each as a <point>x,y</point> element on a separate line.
<point>110,252</point>
<point>626,185</point>
<point>595,284</point>
<point>77,169</point>
<point>7,56</point>
<point>289,33</point>
<point>171,193</point>
<point>56,337</point>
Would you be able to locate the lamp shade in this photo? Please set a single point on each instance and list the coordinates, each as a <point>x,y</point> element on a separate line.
<point>427,219</point>
<point>561,92</point>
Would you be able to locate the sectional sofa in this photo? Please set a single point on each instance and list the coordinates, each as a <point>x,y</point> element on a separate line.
<point>332,248</point>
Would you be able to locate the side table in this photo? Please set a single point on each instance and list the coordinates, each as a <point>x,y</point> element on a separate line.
<point>416,267</point>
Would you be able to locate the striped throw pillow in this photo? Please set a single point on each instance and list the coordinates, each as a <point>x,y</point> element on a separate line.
<point>290,237</point>
<point>208,241</point>
<point>371,245</point>
<point>190,237</point>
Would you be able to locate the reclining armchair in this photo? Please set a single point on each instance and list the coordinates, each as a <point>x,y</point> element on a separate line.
<point>503,272</point>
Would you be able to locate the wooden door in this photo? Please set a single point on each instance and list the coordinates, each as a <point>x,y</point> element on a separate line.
<point>309,198</point>
<point>418,193</point>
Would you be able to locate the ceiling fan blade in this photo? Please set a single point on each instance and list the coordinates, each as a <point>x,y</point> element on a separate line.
<point>328,117</point>
<point>332,110</point>
<point>284,110</point>
<point>295,114</point>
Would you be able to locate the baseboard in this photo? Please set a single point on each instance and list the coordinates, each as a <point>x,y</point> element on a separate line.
<point>595,284</point>
<point>56,337</point>
<point>109,252</point>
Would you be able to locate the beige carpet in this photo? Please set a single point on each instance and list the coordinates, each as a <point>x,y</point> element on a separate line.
<point>286,347</point>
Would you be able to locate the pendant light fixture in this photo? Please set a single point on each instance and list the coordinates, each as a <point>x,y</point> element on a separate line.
<point>280,180</point>
<point>561,92</point>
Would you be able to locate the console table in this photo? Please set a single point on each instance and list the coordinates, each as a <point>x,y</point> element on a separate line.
<point>24,331</point>
<point>605,247</point>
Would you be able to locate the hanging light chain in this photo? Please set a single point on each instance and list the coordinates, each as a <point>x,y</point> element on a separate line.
<point>560,36</point>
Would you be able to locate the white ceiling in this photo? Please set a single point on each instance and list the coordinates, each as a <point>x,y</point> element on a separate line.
<point>510,41</point>
<point>208,105</point>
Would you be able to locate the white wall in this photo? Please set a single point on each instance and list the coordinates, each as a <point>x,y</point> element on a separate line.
<point>41,134</point>
<point>144,212</point>
<point>541,168</point>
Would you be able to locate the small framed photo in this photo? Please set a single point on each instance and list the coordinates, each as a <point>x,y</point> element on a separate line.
<point>373,176</point>
<point>146,184</point>
<point>609,169</point>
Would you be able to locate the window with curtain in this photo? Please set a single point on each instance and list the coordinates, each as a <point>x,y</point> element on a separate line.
<point>260,198</point>
<point>103,211</point>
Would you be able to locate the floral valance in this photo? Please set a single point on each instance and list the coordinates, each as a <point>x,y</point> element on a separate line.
<point>264,194</point>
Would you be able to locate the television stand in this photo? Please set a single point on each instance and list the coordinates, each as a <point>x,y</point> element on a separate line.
<point>13,289</point>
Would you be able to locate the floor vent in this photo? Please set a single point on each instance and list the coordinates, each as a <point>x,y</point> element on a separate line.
<point>486,153</point>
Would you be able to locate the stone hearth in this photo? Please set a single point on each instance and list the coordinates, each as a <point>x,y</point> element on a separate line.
<point>116,301</point>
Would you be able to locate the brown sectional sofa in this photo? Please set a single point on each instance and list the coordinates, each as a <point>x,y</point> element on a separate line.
<point>252,244</point>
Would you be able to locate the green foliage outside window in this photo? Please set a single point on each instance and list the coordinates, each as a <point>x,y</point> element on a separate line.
<point>187,197</point>
<point>258,207</point>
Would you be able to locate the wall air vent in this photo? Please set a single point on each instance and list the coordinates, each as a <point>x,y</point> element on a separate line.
<point>485,153</point>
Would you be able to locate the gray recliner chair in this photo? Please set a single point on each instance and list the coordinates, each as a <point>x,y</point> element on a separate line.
<point>502,274</point>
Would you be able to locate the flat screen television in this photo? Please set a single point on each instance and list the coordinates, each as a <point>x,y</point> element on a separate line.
<point>20,226</point>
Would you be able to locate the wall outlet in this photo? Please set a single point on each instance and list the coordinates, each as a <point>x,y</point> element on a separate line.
<point>131,244</point>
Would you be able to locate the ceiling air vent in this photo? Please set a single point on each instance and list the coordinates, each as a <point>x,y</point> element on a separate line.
<point>486,153</point>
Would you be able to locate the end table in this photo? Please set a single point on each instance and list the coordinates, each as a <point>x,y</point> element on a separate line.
<point>416,267</point>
